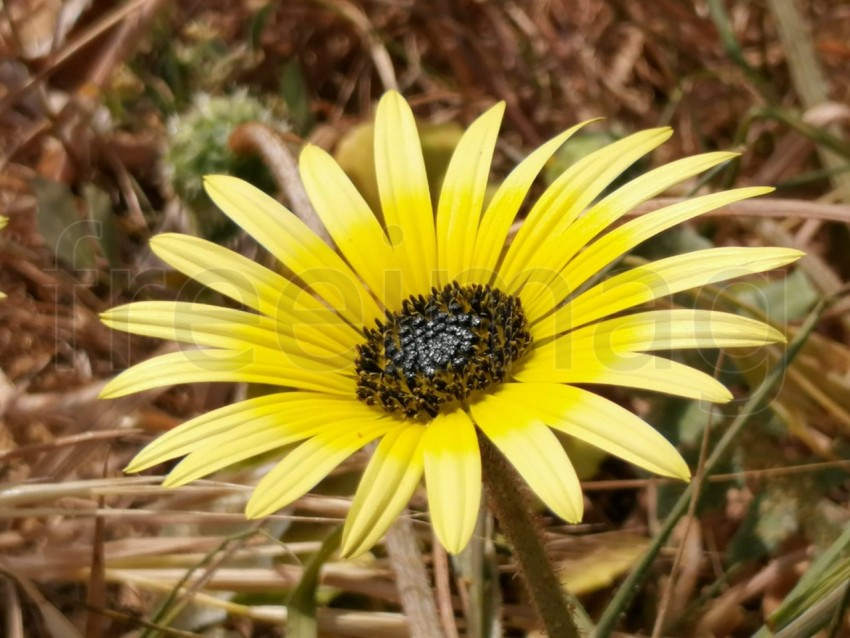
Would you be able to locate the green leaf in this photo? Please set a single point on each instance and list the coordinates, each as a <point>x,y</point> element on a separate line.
<point>99,207</point>
<point>258,25</point>
<point>825,575</point>
<point>66,228</point>
<point>294,90</point>
<point>783,300</point>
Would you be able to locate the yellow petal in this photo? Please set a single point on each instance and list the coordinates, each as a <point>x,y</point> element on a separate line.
<point>533,450</point>
<point>252,440</point>
<point>217,327</point>
<point>641,371</point>
<point>257,287</point>
<point>619,241</point>
<point>503,208</point>
<point>659,279</point>
<point>664,330</point>
<point>211,366</point>
<point>264,434</point>
<point>387,485</point>
<point>352,225</point>
<point>194,434</point>
<point>539,239</point>
<point>309,463</point>
<point>600,422</point>
<point>462,195</point>
<point>405,197</point>
<point>453,478</point>
<point>639,190</point>
<point>295,246</point>
<point>610,209</point>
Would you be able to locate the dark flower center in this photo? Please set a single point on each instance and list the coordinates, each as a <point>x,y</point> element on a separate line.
<point>441,348</point>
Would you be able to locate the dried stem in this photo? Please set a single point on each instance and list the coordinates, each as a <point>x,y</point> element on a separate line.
<point>412,581</point>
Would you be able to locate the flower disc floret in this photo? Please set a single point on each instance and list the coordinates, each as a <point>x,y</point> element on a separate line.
<point>440,349</point>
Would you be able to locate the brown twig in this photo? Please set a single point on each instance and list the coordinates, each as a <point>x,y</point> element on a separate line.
<point>443,590</point>
<point>417,599</point>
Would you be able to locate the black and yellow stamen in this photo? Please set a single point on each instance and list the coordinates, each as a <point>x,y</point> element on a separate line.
<point>440,349</point>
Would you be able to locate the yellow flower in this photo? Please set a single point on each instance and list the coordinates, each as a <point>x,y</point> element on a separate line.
<point>425,331</point>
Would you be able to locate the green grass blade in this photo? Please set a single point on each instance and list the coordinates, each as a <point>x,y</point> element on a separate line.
<point>301,607</point>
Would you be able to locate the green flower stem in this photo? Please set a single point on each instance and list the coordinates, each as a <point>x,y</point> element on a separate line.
<point>630,586</point>
<point>561,613</point>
